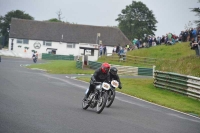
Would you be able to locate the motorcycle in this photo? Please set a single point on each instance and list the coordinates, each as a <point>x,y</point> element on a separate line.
<point>34,59</point>
<point>111,93</point>
<point>97,98</point>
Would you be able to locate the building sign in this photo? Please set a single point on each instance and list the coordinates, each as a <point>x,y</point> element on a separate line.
<point>37,45</point>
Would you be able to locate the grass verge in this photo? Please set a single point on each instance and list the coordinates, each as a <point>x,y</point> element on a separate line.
<point>144,89</point>
<point>61,67</point>
<point>178,58</point>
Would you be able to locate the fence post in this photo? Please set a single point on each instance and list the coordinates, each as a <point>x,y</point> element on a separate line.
<point>154,67</point>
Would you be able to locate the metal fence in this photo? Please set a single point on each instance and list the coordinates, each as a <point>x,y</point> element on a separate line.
<point>187,85</point>
<point>133,59</point>
<point>57,57</point>
<point>94,65</point>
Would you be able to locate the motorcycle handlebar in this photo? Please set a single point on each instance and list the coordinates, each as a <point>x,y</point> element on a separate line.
<point>97,82</point>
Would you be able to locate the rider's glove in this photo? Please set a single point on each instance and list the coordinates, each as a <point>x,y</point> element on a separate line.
<point>120,87</point>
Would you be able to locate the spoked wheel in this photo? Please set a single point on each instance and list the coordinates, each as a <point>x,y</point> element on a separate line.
<point>85,104</point>
<point>101,103</point>
<point>111,97</point>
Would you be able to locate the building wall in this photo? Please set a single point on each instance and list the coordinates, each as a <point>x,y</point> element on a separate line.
<point>109,50</point>
<point>61,48</point>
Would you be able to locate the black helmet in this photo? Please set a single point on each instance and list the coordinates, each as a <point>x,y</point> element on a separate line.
<point>113,70</point>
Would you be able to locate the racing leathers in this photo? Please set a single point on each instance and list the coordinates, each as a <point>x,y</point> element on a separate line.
<point>98,76</point>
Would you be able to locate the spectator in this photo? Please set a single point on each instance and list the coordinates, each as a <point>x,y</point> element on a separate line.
<point>114,50</point>
<point>154,41</point>
<point>128,47</point>
<point>101,49</point>
<point>158,40</point>
<point>196,46</point>
<point>194,34</point>
<point>104,50</point>
<point>198,32</point>
<point>171,42</point>
<point>163,39</point>
<point>121,51</point>
<point>138,43</point>
<point>124,53</point>
<point>181,36</point>
<point>169,35</point>
<point>134,41</point>
<point>166,39</point>
<point>118,48</point>
<point>150,41</point>
<point>190,34</point>
<point>185,35</point>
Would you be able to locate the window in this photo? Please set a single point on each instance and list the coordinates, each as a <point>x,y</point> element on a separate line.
<point>23,41</point>
<point>46,43</point>
<point>71,45</point>
<point>19,41</point>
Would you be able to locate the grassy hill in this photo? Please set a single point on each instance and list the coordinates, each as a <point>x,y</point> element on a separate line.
<point>178,58</point>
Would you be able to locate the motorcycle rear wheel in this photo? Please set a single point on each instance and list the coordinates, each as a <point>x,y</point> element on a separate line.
<point>101,103</point>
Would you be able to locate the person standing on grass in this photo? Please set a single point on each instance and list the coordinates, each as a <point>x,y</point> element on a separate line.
<point>114,50</point>
<point>150,41</point>
<point>118,48</point>
<point>196,46</point>
<point>101,50</point>
<point>138,43</point>
<point>194,34</point>
<point>104,50</point>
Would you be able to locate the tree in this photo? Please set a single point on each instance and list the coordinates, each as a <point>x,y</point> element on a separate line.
<point>197,11</point>
<point>136,20</point>
<point>188,26</point>
<point>59,13</point>
<point>54,20</point>
<point>6,20</point>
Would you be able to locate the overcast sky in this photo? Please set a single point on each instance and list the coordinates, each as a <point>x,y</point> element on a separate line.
<point>172,15</point>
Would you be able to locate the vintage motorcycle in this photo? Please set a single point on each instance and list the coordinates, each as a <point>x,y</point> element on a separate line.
<point>111,93</point>
<point>98,97</point>
<point>34,59</point>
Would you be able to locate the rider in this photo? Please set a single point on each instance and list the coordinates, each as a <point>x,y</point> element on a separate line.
<point>34,54</point>
<point>100,75</point>
<point>114,76</point>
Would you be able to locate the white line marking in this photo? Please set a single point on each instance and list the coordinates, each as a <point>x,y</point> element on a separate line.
<point>159,105</point>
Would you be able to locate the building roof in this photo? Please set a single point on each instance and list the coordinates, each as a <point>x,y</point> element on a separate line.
<point>63,32</point>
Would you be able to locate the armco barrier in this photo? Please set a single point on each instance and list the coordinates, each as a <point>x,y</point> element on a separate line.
<point>57,57</point>
<point>187,85</point>
<point>145,71</point>
<point>126,70</point>
<point>94,65</point>
<point>79,64</point>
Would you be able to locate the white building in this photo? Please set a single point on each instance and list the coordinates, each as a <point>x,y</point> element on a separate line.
<point>60,38</point>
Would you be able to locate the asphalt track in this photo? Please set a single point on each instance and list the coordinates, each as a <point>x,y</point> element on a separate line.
<point>33,101</point>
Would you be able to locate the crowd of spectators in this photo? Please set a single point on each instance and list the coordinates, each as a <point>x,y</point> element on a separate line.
<point>102,50</point>
<point>192,35</point>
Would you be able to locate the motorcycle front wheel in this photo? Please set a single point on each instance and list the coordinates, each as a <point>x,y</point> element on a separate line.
<point>85,104</point>
<point>111,97</point>
<point>101,103</point>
